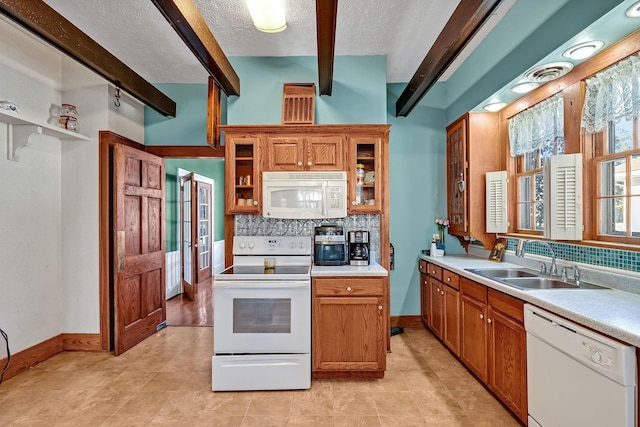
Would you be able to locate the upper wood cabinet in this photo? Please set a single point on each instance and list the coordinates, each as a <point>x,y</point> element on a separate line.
<point>242,174</point>
<point>252,149</point>
<point>301,152</point>
<point>473,149</point>
<point>366,151</point>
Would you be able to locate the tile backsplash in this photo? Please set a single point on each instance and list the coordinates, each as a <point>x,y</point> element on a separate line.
<point>257,225</point>
<point>605,257</point>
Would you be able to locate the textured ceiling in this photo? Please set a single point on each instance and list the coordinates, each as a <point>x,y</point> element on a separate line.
<point>137,34</point>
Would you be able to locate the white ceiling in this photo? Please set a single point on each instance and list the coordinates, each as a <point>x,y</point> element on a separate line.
<point>137,34</point>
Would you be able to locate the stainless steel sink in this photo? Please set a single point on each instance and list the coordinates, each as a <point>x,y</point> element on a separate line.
<point>524,278</point>
<point>546,283</point>
<point>499,273</point>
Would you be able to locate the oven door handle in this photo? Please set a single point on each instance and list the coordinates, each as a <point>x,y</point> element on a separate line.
<point>324,200</point>
<point>263,284</point>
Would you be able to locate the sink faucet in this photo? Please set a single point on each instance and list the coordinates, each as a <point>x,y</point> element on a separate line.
<point>553,268</point>
<point>576,273</point>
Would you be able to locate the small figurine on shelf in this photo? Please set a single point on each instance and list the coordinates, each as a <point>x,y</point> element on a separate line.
<point>442,224</point>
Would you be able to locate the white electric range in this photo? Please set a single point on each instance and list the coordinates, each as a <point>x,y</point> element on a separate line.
<point>262,316</point>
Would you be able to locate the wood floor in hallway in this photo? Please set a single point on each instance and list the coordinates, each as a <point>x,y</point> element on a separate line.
<point>166,380</point>
<point>182,311</point>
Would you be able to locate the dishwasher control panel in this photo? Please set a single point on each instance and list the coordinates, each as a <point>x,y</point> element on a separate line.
<point>598,353</point>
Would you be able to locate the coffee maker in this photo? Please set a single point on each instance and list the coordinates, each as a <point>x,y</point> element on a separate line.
<point>358,248</point>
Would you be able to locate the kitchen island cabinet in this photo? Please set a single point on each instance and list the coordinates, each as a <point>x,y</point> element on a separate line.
<point>349,327</point>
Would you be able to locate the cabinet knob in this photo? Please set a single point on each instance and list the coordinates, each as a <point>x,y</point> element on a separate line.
<point>309,163</point>
<point>255,203</point>
<point>482,316</point>
<point>299,163</point>
<point>448,279</point>
<point>433,272</point>
<point>488,320</point>
<point>380,307</point>
<point>349,289</point>
<point>353,202</point>
<point>442,292</point>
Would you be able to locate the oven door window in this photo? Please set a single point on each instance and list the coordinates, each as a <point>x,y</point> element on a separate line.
<point>261,315</point>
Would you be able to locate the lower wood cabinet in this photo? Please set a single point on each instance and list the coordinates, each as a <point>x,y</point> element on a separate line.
<point>349,328</point>
<point>483,327</point>
<point>494,343</point>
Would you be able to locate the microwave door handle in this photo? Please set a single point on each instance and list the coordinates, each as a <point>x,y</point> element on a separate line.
<point>324,200</point>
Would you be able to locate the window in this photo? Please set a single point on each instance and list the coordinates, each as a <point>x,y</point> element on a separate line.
<point>618,190</point>
<point>534,135</point>
<point>610,115</point>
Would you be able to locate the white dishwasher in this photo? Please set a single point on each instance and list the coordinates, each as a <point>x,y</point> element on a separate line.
<point>576,377</point>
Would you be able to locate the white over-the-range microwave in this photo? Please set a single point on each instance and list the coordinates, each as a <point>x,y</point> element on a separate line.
<point>304,195</point>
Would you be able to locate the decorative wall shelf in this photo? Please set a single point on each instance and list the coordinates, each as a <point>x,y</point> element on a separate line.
<point>20,130</point>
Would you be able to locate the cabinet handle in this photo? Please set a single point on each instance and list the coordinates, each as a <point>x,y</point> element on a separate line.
<point>482,316</point>
<point>349,289</point>
<point>380,307</point>
<point>488,320</point>
<point>309,163</point>
<point>299,163</point>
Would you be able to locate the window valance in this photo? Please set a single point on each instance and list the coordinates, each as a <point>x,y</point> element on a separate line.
<point>537,126</point>
<point>612,94</point>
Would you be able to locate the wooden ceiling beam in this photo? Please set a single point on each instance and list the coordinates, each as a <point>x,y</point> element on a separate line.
<point>43,21</point>
<point>186,20</point>
<point>326,13</point>
<point>463,25</point>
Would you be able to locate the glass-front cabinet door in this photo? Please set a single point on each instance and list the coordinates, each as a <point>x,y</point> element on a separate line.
<point>242,173</point>
<point>364,174</point>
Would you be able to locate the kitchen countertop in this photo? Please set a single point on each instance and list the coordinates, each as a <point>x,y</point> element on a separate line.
<point>612,312</point>
<point>373,269</point>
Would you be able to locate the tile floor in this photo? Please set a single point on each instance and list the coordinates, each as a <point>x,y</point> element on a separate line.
<point>166,380</point>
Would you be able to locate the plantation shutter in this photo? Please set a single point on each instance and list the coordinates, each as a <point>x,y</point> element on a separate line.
<point>563,197</point>
<point>496,202</point>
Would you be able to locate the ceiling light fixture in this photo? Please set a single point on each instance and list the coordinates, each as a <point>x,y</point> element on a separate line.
<point>267,15</point>
<point>495,106</point>
<point>525,87</point>
<point>583,50</point>
<point>634,10</point>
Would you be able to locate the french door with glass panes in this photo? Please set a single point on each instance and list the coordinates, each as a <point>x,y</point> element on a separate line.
<point>196,233</point>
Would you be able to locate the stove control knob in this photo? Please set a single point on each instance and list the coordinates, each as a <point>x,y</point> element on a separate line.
<point>242,245</point>
<point>252,245</point>
<point>596,357</point>
<point>292,245</point>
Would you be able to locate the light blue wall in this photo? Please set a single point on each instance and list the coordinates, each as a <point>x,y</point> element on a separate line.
<point>359,94</point>
<point>189,127</point>
<point>417,180</point>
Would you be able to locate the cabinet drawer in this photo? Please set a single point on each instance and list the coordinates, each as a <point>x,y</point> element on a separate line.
<point>451,279</point>
<point>507,304</point>
<point>473,289</point>
<point>348,286</point>
<point>422,266</point>
<point>435,271</point>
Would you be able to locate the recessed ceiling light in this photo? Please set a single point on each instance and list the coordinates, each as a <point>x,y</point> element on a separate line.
<point>525,87</point>
<point>495,106</point>
<point>634,10</point>
<point>267,15</point>
<point>583,50</point>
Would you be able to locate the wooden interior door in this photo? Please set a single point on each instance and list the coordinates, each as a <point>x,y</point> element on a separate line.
<point>139,224</point>
<point>202,213</point>
<point>189,236</point>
